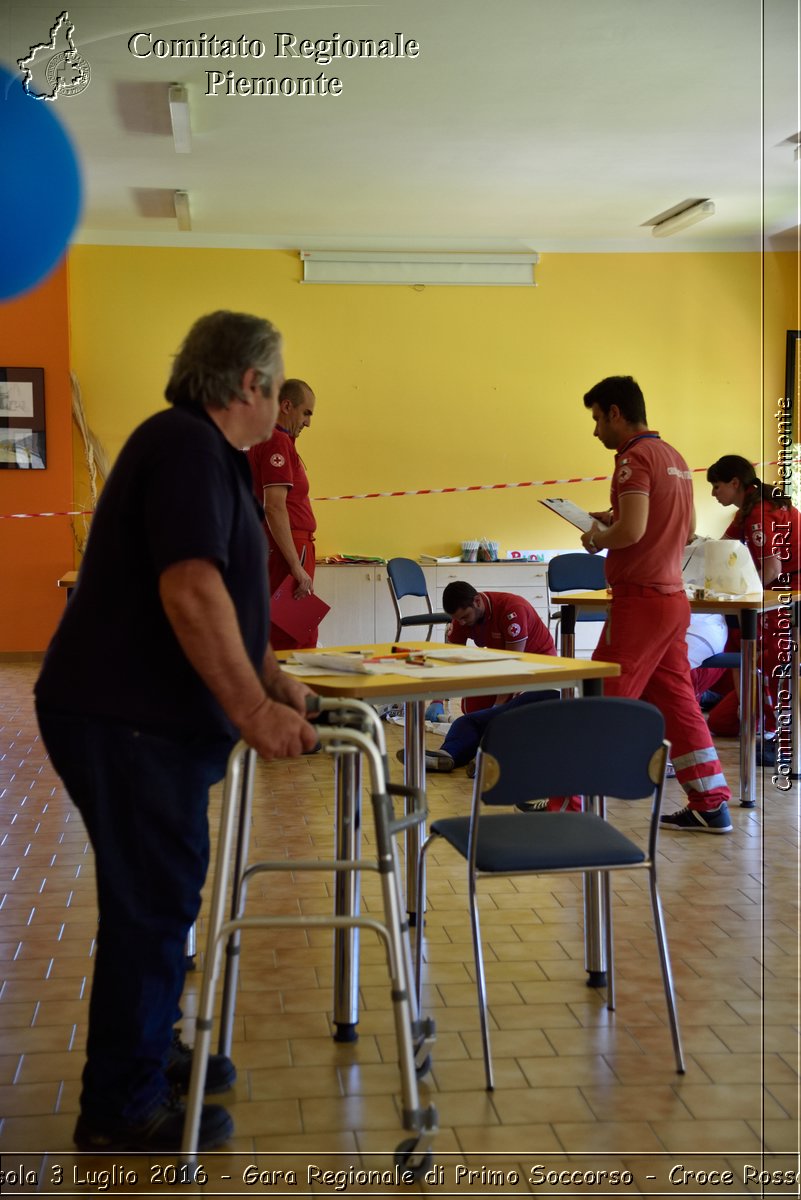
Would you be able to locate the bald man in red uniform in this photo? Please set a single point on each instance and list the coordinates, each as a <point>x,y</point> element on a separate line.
<point>282,486</point>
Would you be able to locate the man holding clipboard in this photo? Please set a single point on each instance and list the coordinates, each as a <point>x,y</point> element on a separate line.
<point>645,531</point>
<point>282,486</point>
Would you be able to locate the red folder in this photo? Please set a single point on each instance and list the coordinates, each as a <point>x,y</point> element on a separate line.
<point>297,618</point>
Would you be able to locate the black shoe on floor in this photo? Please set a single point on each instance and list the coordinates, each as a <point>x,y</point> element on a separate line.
<point>161,1132</point>
<point>220,1071</point>
<point>765,753</point>
<point>691,820</point>
<point>436,760</point>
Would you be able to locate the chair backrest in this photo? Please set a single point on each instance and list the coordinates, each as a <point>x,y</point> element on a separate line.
<point>406,577</point>
<point>574,572</point>
<point>592,746</point>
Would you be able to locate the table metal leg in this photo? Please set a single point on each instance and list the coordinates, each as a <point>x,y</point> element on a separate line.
<point>567,640</point>
<point>348,779</point>
<point>414,775</point>
<point>748,707</point>
<point>594,902</point>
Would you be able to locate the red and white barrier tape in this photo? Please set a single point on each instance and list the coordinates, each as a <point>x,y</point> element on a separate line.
<point>471,487</point>
<point>488,487</point>
<point>445,491</point>
<point>80,512</point>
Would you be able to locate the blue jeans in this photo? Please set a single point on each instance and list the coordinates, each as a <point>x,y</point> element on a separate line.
<point>464,736</point>
<point>144,802</point>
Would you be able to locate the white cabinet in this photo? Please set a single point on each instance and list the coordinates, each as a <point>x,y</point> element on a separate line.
<point>350,592</point>
<point>362,612</point>
<point>587,634</point>
<point>528,580</point>
<point>361,606</point>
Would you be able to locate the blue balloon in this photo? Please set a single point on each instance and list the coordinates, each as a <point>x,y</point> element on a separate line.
<point>40,200</point>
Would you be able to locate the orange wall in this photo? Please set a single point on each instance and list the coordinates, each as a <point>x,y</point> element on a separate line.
<point>34,332</point>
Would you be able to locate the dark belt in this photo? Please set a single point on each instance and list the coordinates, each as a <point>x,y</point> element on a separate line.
<point>628,590</point>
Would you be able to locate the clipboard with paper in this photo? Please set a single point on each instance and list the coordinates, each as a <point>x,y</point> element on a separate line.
<point>570,512</point>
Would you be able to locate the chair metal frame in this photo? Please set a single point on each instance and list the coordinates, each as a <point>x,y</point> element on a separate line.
<point>533,752</point>
<point>399,571</point>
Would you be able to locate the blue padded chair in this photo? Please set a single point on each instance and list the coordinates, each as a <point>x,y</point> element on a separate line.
<point>573,573</point>
<point>405,578</point>
<point>727,658</point>
<point>594,746</point>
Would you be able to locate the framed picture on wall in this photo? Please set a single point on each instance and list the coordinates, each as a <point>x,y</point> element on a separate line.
<point>22,419</point>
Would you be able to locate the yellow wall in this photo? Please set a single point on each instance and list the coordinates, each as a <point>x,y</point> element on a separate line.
<point>452,386</point>
<point>782,312</point>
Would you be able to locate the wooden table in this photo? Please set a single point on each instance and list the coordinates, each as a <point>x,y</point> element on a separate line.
<point>546,672</point>
<point>68,581</point>
<point>747,609</point>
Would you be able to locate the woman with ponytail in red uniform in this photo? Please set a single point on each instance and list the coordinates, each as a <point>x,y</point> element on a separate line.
<point>768,524</point>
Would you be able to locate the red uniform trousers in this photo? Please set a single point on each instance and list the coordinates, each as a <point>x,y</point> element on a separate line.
<point>644,633</point>
<point>471,704</point>
<point>279,569</point>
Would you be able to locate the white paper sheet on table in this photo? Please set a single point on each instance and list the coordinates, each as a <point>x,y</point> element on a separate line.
<point>474,669</point>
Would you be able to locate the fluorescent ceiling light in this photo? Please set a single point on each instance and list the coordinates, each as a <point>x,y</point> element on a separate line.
<point>685,218</point>
<point>179,117</point>
<point>182,213</point>
<point>418,269</point>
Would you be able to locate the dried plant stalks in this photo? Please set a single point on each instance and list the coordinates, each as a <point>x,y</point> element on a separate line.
<point>97,466</point>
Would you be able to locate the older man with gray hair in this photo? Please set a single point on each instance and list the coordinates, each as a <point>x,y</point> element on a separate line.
<point>162,659</point>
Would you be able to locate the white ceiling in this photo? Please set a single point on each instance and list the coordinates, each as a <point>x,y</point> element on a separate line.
<point>523,124</point>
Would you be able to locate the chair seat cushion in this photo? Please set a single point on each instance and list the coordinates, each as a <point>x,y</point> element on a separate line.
<point>541,842</point>
<point>727,658</point>
<point>434,618</point>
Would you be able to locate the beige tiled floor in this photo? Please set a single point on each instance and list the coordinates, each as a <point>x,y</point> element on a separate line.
<point>577,1086</point>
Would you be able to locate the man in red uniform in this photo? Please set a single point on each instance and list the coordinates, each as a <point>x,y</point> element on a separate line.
<point>281,485</point>
<point>496,620</point>
<point>645,532</point>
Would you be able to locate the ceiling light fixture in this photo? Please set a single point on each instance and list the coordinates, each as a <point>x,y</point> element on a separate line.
<point>182,213</point>
<point>418,268</point>
<point>179,117</point>
<point>682,220</point>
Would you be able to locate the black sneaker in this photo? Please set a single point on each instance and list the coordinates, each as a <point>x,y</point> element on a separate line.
<point>765,752</point>
<point>532,806</point>
<point>436,760</point>
<point>162,1131</point>
<point>691,820</point>
<point>220,1071</point>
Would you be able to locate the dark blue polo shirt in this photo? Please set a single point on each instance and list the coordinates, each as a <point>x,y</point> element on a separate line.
<point>178,491</point>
